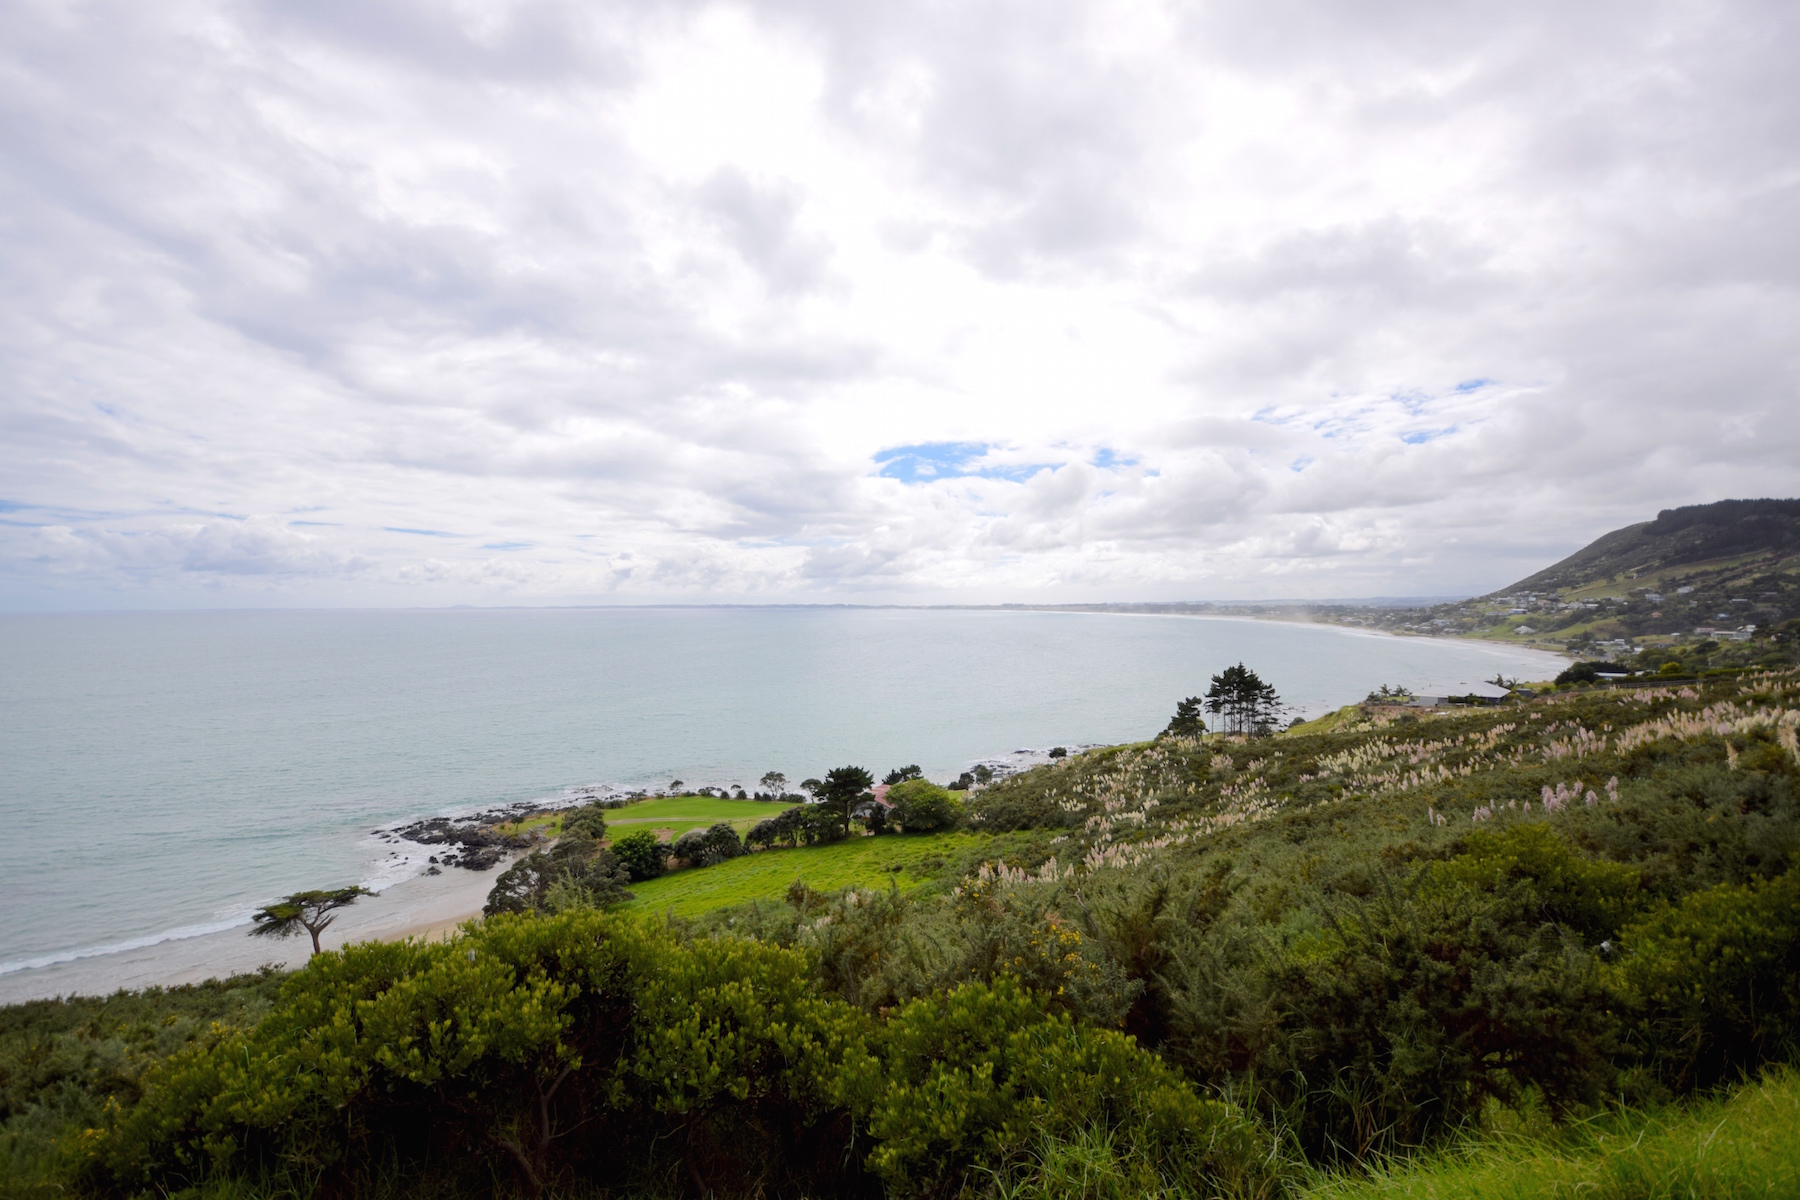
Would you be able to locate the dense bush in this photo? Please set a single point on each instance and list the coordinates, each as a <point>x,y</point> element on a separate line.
<point>574,873</point>
<point>982,1075</point>
<point>1417,1006</point>
<point>708,847</point>
<point>589,820</point>
<point>921,806</point>
<point>535,1048</point>
<point>641,854</point>
<point>1712,984</point>
<point>587,1046</point>
<point>66,1065</point>
<point>802,825</point>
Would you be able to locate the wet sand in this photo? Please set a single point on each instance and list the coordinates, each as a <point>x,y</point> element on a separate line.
<point>424,906</point>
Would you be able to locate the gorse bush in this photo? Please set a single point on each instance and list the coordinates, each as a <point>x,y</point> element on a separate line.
<point>1712,984</point>
<point>591,1046</point>
<point>978,1076</point>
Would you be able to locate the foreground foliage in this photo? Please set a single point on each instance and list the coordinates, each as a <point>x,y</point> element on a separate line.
<point>594,1047</point>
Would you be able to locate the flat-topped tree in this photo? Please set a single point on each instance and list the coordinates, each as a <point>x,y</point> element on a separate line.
<point>311,911</point>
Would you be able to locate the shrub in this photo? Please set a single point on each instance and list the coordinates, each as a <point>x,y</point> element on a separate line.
<point>708,847</point>
<point>482,1056</point>
<point>772,830</point>
<point>1589,896</point>
<point>589,820</point>
<point>689,847</point>
<point>641,854</point>
<point>575,871</point>
<point>977,1077</point>
<point>921,806</point>
<point>1416,1006</point>
<point>1713,982</point>
<point>802,825</point>
<point>817,825</point>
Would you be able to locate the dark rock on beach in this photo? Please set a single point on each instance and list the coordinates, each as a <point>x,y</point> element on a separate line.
<point>473,843</point>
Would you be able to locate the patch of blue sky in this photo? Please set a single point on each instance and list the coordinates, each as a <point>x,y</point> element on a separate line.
<point>1413,402</point>
<point>1301,463</point>
<point>1106,458</point>
<point>1474,385</point>
<point>1419,437</point>
<point>418,532</point>
<point>927,461</point>
<point>331,524</point>
<point>14,506</point>
<point>506,546</point>
<point>930,461</point>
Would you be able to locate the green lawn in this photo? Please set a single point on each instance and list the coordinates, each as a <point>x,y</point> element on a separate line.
<point>676,813</point>
<point>1743,1145</point>
<point>766,875</point>
<point>682,813</point>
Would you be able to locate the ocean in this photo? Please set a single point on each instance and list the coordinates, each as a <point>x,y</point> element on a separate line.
<point>162,775</point>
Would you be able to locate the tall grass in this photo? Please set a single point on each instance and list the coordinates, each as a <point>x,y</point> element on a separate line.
<point>1745,1144</point>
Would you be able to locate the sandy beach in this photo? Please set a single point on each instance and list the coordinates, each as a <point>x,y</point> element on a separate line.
<point>425,906</point>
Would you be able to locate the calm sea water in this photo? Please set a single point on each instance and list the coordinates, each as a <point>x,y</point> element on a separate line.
<point>162,775</point>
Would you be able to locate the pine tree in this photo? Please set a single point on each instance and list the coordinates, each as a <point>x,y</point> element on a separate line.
<point>1244,701</point>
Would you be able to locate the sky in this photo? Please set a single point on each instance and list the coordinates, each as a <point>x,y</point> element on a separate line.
<point>389,302</point>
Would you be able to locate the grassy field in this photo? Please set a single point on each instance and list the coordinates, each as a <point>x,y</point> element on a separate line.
<point>1746,1144</point>
<point>766,875</point>
<point>682,813</point>
<point>675,813</point>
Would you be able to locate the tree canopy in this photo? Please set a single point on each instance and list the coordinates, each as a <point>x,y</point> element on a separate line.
<point>312,911</point>
<point>1185,723</point>
<point>842,789</point>
<point>1246,704</point>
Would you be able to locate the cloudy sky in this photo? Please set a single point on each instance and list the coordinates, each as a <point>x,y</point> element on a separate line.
<point>396,302</point>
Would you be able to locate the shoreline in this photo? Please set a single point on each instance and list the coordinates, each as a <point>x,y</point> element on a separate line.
<point>425,906</point>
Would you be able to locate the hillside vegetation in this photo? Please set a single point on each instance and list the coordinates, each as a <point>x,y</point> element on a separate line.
<point>1404,951</point>
<point>1678,538</point>
<point>1710,585</point>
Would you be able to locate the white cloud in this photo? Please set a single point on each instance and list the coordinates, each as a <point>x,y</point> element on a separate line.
<point>545,301</point>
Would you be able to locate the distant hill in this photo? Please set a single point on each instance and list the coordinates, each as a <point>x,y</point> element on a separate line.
<point>1699,533</point>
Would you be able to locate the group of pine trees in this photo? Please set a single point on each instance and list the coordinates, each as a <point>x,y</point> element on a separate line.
<point>1238,697</point>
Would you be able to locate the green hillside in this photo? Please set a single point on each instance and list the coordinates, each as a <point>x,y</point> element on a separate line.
<point>1711,585</point>
<point>1737,532</point>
